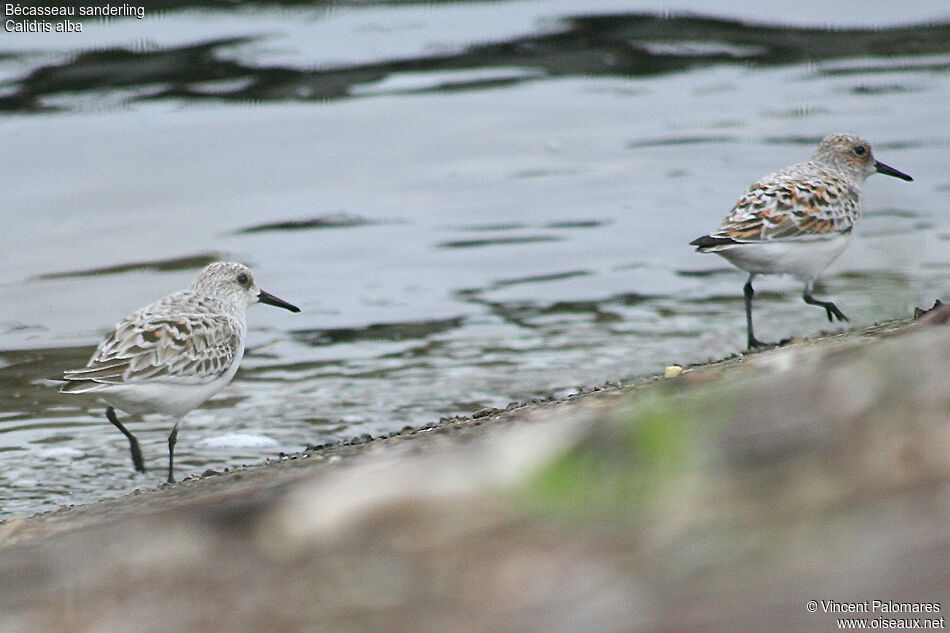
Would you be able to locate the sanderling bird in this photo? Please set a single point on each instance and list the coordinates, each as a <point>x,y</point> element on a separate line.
<point>799,219</point>
<point>171,356</point>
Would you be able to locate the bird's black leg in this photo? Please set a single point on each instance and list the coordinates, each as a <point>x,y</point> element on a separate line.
<point>752,342</point>
<point>137,461</point>
<point>172,438</point>
<point>830,308</point>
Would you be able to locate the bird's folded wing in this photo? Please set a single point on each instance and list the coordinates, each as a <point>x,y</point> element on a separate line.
<point>188,348</point>
<point>791,210</point>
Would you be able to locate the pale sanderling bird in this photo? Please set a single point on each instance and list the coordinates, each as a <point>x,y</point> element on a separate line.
<point>171,356</point>
<point>799,219</point>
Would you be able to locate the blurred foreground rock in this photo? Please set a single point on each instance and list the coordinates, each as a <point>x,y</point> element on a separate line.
<point>722,499</point>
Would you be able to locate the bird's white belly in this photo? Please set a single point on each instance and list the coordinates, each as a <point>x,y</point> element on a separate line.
<point>804,259</point>
<point>170,398</point>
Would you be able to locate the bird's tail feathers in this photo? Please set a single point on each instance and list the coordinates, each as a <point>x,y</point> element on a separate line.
<point>81,386</point>
<point>708,243</point>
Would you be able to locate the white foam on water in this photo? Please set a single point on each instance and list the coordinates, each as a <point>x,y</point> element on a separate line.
<point>238,440</point>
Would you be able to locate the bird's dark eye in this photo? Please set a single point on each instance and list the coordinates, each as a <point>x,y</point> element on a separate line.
<point>242,279</point>
<point>860,150</point>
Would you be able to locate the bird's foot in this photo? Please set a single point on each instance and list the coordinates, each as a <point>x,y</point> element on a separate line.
<point>830,308</point>
<point>753,344</point>
<point>834,313</point>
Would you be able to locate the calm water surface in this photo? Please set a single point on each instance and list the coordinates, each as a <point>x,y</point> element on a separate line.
<point>472,202</point>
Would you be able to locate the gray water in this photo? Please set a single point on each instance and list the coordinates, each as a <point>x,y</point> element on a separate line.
<point>472,202</point>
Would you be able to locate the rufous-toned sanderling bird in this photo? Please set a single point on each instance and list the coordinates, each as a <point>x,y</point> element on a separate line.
<point>171,356</point>
<point>798,220</point>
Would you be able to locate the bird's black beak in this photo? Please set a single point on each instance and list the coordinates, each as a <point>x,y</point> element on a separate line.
<point>266,297</point>
<point>890,171</point>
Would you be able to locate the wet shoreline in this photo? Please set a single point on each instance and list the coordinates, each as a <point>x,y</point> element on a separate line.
<point>420,438</point>
<point>725,496</point>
